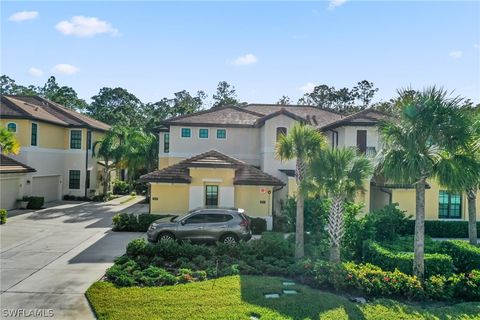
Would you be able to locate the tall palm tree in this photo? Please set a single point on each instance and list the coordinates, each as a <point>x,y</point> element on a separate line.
<point>301,144</point>
<point>339,174</point>
<point>429,124</point>
<point>108,149</point>
<point>8,142</point>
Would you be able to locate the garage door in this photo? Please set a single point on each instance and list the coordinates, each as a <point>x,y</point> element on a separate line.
<point>46,187</point>
<point>9,193</point>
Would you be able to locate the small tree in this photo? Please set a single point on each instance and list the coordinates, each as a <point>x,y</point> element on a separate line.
<point>108,149</point>
<point>301,144</point>
<point>8,142</point>
<point>339,173</point>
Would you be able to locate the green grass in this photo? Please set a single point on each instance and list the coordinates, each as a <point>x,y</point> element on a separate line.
<point>240,297</point>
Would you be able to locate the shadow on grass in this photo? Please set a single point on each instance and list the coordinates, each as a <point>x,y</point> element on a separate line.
<point>308,303</point>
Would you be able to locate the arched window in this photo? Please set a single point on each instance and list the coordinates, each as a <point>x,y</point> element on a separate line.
<point>281,131</point>
<point>12,127</point>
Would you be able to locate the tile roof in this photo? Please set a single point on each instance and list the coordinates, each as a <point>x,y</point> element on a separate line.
<point>8,165</point>
<point>364,117</point>
<point>255,115</point>
<point>245,174</point>
<point>35,107</point>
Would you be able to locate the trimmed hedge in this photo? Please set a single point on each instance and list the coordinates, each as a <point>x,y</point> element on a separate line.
<point>465,256</point>
<point>3,216</point>
<point>258,225</point>
<point>443,229</point>
<point>35,202</point>
<point>435,263</point>
<point>132,222</point>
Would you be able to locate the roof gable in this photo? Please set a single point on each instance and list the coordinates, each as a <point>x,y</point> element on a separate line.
<point>245,174</point>
<point>227,115</point>
<point>367,117</point>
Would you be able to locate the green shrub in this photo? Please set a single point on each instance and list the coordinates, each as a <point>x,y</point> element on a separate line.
<point>272,245</point>
<point>387,223</point>
<point>466,257</point>
<point>120,187</point>
<point>3,216</point>
<point>466,286</point>
<point>125,222</point>
<point>258,225</point>
<point>154,276</point>
<point>315,214</point>
<point>146,219</point>
<point>403,261</point>
<point>439,287</point>
<point>443,229</point>
<point>136,247</point>
<point>35,203</point>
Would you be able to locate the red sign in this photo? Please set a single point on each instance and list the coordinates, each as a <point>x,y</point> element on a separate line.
<point>263,190</point>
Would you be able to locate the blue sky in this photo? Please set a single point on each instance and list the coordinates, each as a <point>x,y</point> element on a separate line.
<point>265,49</point>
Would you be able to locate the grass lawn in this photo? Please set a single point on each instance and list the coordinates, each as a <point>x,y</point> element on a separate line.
<point>240,297</point>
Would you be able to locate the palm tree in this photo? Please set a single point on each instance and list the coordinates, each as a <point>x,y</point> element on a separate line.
<point>8,142</point>
<point>339,173</point>
<point>428,125</point>
<point>108,149</point>
<point>301,143</point>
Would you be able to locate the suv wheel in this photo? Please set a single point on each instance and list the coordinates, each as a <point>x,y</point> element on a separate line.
<point>229,239</point>
<point>166,236</point>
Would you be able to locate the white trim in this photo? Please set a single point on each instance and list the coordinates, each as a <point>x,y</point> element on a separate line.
<point>234,155</point>
<point>216,134</point>
<point>53,150</point>
<point>212,180</point>
<point>16,126</point>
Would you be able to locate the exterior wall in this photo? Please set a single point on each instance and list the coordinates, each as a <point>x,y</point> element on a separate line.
<point>11,189</point>
<point>201,177</point>
<point>255,203</point>
<point>292,186</point>
<point>406,200</point>
<point>52,157</point>
<point>348,136</point>
<point>169,198</point>
<point>241,143</point>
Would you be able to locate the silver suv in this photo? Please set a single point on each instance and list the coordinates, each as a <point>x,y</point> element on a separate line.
<point>227,225</point>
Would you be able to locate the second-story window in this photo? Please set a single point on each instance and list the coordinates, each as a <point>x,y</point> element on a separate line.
<point>166,142</point>
<point>281,131</point>
<point>362,141</point>
<point>186,132</point>
<point>89,140</point>
<point>75,139</point>
<point>221,134</point>
<point>203,133</point>
<point>34,135</point>
<point>12,127</point>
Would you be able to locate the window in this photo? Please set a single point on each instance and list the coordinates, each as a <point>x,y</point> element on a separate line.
<point>221,134</point>
<point>12,127</point>
<point>74,179</point>
<point>34,136</point>
<point>166,142</point>
<point>198,218</point>
<point>281,131</point>
<point>203,133</point>
<point>87,180</point>
<point>186,132</point>
<point>211,196</point>
<point>89,140</point>
<point>449,205</point>
<point>362,141</point>
<point>76,139</point>
<point>217,218</point>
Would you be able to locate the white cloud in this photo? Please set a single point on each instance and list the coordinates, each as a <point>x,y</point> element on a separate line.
<point>85,27</point>
<point>307,88</point>
<point>335,3</point>
<point>476,45</point>
<point>35,72</point>
<point>64,68</point>
<point>23,15</point>
<point>456,54</point>
<point>245,60</point>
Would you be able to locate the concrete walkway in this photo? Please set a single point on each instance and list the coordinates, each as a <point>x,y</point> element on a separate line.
<point>50,257</point>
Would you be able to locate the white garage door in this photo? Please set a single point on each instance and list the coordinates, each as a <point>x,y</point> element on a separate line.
<point>9,189</point>
<point>46,187</point>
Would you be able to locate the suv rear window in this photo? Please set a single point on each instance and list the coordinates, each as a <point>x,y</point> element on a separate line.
<point>212,218</point>
<point>197,218</point>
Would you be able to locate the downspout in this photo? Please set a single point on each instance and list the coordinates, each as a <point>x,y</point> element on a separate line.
<point>86,163</point>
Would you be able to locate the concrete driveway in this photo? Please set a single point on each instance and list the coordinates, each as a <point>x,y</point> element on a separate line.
<point>50,257</point>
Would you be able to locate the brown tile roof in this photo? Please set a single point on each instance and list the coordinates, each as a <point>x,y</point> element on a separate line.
<point>8,165</point>
<point>37,108</point>
<point>364,117</point>
<point>245,174</point>
<point>226,116</point>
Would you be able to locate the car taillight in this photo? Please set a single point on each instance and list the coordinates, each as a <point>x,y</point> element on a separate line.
<point>245,222</point>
